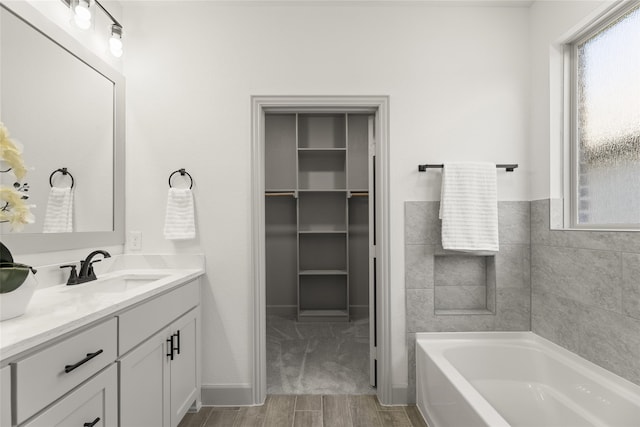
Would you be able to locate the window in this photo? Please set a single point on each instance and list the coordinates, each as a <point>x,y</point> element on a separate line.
<point>605,103</point>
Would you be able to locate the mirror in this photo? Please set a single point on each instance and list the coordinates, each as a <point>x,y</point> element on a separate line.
<point>66,107</point>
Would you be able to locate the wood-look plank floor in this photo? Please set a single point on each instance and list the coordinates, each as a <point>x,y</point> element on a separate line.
<point>308,411</point>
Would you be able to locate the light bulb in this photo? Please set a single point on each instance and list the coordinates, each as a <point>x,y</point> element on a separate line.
<point>115,48</point>
<point>83,24</point>
<point>115,42</point>
<point>82,14</point>
<point>82,10</point>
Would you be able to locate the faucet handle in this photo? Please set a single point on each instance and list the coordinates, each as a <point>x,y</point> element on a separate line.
<point>73,276</point>
<point>90,272</point>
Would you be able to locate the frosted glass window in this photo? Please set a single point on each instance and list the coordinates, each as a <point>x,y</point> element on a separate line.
<point>607,105</point>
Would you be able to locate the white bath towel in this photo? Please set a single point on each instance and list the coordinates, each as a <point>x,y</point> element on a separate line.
<point>179,222</point>
<point>59,215</point>
<point>469,207</point>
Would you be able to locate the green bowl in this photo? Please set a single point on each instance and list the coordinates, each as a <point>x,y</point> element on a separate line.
<point>12,276</point>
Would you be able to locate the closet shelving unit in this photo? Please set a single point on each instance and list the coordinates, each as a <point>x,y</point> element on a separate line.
<point>320,160</point>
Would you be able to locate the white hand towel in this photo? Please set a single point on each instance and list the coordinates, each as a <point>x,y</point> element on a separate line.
<point>59,215</point>
<point>179,222</point>
<point>469,207</point>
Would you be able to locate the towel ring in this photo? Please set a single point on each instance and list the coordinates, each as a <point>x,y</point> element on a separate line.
<point>182,172</point>
<point>63,171</point>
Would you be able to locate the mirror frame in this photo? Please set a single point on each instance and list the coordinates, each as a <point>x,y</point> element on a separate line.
<point>29,243</point>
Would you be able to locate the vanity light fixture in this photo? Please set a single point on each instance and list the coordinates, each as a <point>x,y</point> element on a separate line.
<point>82,17</point>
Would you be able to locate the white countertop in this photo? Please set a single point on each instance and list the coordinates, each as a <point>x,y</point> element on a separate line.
<point>56,310</point>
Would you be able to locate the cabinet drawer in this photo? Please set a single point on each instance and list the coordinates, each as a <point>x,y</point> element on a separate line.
<point>95,401</point>
<point>50,373</point>
<point>139,323</point>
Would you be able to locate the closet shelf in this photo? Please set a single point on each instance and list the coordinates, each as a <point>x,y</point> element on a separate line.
<point>281,192</point>
<point>325,230</point>
<point>323,272</point>
<point>343,149</point>
<point>323,314</point>
<point>322,190</point>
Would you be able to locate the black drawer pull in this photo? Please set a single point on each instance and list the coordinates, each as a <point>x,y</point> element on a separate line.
<point>170,347</point>
<point>91,424</point>
<point>177,334</point>
<point>69,368</point>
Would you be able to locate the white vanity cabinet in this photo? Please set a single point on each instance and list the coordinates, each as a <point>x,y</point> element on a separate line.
<point>5,393</point>
<point>134,365</point>
<point>159,377</point>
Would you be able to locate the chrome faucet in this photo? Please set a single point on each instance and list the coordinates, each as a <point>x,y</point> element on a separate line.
<point>86,268</point>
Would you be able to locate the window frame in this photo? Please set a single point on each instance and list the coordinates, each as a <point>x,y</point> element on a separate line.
<point>571,125</point>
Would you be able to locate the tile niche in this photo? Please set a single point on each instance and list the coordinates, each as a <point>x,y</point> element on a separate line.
<point>464,284</point>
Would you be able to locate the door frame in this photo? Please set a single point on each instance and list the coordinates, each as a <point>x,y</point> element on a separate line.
<point>379,106</point>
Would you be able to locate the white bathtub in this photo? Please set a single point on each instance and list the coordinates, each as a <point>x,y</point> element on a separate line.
<point>501,379</point>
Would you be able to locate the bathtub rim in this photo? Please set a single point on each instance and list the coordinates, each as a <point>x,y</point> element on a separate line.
<point>441,341</point>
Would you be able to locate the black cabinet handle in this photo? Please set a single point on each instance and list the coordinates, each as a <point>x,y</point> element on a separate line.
<point>170,347</point>
<point>69,368</point>
<point>92,423</point>
<point>177,334</point>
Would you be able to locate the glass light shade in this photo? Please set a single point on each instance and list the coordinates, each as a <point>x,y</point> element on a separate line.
<point>115,46</point>
<point>115,42</point>
<point>82,14</point>
<point>82,23</point>
<point>82,11</point>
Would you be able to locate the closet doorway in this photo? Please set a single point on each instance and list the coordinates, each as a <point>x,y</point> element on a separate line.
<point>320,258</point>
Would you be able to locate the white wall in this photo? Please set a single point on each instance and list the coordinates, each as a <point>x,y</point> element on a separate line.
<point>551,23</point>
<point>458,80</point>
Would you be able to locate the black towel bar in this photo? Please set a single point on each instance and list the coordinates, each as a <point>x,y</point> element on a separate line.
<point>508,167</point>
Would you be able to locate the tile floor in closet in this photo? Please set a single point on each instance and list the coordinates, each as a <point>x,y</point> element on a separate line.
<point>317,357</point>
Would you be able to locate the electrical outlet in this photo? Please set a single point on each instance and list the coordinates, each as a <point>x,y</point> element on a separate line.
<point>135,240</point>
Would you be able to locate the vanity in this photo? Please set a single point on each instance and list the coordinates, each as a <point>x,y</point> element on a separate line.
<point>119,351</point>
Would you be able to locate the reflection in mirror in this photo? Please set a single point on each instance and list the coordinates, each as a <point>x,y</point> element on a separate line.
<point>61,110</point>
<point>66,107</point>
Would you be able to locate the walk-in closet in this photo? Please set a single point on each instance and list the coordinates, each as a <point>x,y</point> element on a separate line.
<point>318,241</point>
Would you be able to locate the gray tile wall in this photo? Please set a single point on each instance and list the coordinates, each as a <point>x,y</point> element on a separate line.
<point>460,282</point>
<point>511,267</point>
<point>586,292</point>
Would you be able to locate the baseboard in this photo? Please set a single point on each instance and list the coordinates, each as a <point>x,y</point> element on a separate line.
<point>227,395</point>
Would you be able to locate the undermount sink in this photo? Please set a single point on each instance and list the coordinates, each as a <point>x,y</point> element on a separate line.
<point>119,283</point>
